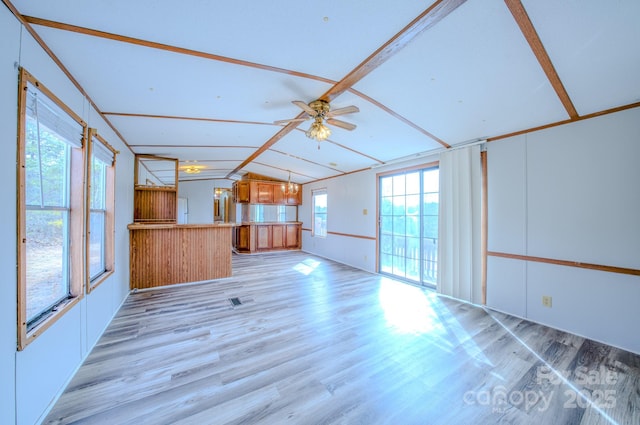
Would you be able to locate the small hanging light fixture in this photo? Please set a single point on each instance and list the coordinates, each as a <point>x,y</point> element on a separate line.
<point>290,188</point>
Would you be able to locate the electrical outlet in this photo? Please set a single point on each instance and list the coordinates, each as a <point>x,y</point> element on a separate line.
<point>365,212</point>
<point>546,301</point>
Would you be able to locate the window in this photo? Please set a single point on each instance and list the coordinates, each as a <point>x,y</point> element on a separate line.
<point>50,209</point>
<point>408,217</point>
<point>101,177</point>
<point>319,226</point>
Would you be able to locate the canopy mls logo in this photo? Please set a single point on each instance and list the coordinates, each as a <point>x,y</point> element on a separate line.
<point>584,389</point>
<point>500,399</point>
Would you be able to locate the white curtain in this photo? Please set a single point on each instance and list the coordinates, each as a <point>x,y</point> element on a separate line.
<point>459,248</point>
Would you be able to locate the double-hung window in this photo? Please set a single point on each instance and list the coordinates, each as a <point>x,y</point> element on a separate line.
<point>100,225</point>
<point>50,209</point>
<point>319,224</point>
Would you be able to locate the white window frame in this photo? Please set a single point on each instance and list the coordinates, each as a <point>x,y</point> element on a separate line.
<point>319,233</point>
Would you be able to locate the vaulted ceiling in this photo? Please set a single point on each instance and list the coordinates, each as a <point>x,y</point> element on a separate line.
<point>205,80</point>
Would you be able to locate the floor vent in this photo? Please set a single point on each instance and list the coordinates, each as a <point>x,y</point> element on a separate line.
<point>235,301</point>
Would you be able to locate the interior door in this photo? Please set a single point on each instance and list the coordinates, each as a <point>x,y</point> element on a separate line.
<point>183,210</point>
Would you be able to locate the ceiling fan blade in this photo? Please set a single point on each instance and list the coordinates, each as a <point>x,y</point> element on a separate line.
<point>341,124</point>
<point>341,111</point>
<point>279,122</point>
<point>308,109</point>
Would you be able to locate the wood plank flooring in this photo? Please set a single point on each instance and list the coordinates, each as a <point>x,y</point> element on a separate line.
<point>318,342</point>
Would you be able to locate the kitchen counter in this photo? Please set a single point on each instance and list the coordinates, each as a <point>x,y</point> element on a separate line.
<point>167,254</point>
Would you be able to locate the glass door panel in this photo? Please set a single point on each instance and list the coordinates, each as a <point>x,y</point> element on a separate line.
<point>408,219</point>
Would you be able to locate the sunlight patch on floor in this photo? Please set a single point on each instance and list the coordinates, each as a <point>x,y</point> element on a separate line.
<point>410,310</point>
<point>307,266</point>
<point>465,340</point>
<point>407,308</point>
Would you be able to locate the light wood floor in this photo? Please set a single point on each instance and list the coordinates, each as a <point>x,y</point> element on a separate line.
<point>317,342</point>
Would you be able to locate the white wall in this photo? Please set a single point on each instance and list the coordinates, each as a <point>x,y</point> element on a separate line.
<point>569,193</point>
<point>32,379</point>
<point>347,198</point>
<point>199,194</point>
<point>10,47</point>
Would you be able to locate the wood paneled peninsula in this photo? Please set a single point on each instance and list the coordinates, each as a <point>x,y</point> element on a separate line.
<point>166,254</point>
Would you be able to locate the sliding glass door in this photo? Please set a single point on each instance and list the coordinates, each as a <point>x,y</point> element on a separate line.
<point>408,220</point>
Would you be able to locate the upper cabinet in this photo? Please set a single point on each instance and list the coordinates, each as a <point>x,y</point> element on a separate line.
<point>264,192</point>
<point>241,192</point>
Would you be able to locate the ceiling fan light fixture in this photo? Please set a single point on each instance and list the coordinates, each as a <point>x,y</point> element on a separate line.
<point>318,130</point>
<point>192,170</point>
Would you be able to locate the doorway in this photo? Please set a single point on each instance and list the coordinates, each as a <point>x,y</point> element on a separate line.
<point>408,221</point>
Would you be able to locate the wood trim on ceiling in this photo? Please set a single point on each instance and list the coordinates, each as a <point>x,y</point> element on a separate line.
<point>340,175</point>
<point>431,16</point>
<point>167,47</point>
<point>531,35</point>
<point>227,121</point>
<point>285,170</point>
<point>177,117</point>
<point>563,122</point>
<point>306,160</point>
<point>427,19</point>
<point>272,141</point>
<point>335,144</point>
<point>578,264</point>
<point>174,117</point>
<point>197,146</point>
<point>63,68</point>
<point>439,10</point>
<point>400,117</point>
<point>204,55</point>
<point>185,118</point>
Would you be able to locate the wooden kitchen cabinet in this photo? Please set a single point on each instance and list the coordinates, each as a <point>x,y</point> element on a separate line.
<point>263,192</point>
<point>267,237</point>
<point>294,199</point>
<point>266,228</point>
<point>242,238</point>
<point>278,236</point>
<point>263,237</point>
<point>279,196</point>
<point>293,236</point>
<point>241,192</point>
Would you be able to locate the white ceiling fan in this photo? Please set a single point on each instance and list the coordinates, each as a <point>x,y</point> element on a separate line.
<point>321,112</point>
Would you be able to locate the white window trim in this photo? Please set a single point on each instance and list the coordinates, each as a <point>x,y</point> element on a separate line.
<point>313,212</point>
